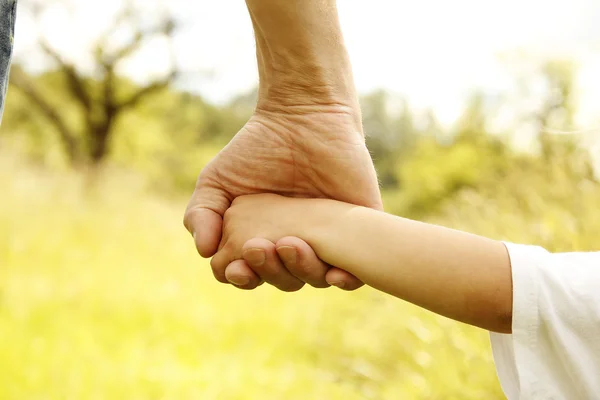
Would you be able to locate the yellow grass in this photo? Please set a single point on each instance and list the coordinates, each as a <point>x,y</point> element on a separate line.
<point>103,297</point>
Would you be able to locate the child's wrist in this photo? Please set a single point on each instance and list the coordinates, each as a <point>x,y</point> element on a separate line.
<point>320,226</point>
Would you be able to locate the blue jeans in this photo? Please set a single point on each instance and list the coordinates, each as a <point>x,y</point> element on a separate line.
<point>8,14</point>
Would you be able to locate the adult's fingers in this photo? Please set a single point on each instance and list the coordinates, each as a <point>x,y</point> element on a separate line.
<point>309,268</point>
<point>204,217</point>
<point>239,274</point>
<point>234,271</point>
<point>219,263</point>
<point>206,227</point>
<point>261,256</point>
<point>300,259</point>
<point>342,279</point>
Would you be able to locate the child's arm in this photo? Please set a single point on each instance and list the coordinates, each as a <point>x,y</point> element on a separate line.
<point>456,274</point>
<point>459,275</point>
<point>553,351</point>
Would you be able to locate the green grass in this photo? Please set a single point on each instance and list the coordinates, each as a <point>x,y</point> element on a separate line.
<point>103,297</point>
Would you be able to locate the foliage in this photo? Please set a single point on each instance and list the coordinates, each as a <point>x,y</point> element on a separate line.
<point>551,205</point>
<point>169,137</point>
<point>436,172</point>
<point>390,132</point>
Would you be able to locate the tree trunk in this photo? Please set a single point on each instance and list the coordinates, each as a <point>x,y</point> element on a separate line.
<point>99,145</point>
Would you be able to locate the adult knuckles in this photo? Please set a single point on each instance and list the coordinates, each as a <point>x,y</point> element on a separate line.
<point>307,269</point>
<point>291,287</point>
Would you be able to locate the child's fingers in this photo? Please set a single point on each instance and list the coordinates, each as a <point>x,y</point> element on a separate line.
<point>342,279</point>
<point>300,259</point>
<point>261,256</point>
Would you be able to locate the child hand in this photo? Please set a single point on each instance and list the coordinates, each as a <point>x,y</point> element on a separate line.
<point>253,220</point>
<point>265,216</point>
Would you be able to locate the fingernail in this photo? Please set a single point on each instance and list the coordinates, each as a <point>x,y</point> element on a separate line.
<point>239,280</point>
<point>255,257</point>
<point>288,255</point>
<point>194,235</point>
<point>339,284</point>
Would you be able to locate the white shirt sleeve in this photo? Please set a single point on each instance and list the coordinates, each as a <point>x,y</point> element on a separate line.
<point>554,349</point>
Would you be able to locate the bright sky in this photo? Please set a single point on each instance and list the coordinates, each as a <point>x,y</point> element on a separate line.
<point>433,51</point>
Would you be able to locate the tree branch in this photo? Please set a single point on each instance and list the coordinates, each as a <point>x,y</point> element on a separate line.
<point>23,83</point>
<point>154,87</point>
<point>165,27</point>
<point>76,81</point>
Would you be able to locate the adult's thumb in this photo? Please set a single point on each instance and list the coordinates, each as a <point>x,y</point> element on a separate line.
<point>203,219</point>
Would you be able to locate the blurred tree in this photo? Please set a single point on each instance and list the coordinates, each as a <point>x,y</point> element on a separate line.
<point>561,148</point>
<point>558,107</point>
<point>99,100</point>
<point>430,125</point>
<point>473,122</point>
<point>440,167</point>
<point>390,131</point>
<point>225,122</point>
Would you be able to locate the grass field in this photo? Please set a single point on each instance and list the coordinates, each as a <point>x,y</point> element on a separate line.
<point>103,297</point>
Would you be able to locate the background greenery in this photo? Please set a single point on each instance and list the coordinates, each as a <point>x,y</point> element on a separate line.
<point>102,294</point>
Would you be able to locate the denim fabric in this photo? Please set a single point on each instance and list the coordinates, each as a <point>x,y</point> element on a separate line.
<point>8,14</point>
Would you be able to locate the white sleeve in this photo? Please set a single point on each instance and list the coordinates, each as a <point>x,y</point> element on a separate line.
<point>554,349</point>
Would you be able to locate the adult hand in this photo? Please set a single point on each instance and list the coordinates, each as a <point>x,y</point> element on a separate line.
<point>304,151</point>
<point>304,140</point>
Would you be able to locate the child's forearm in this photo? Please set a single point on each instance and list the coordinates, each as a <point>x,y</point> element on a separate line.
<point>455,274</point>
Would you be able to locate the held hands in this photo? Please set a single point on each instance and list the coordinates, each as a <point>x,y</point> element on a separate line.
<point>306,151</point>
<point>252,220</point>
